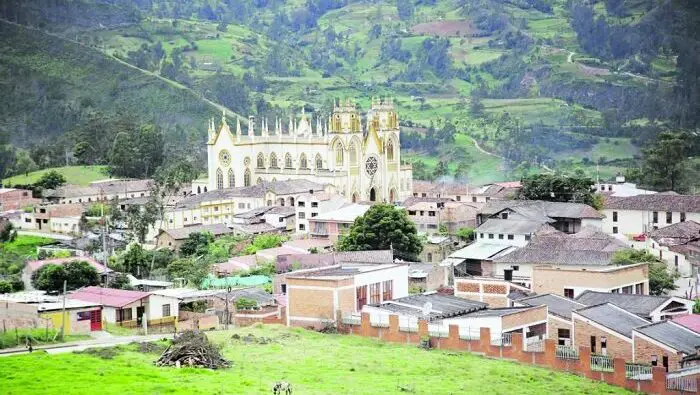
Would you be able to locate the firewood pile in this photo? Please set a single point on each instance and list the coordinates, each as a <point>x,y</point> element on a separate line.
<point>192,349</point>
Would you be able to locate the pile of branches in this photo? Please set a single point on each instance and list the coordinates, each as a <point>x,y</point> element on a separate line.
<point>192,349</point>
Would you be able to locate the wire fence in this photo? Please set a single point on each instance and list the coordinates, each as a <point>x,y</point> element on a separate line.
<point>637,372</point>
<point>684,380</point>
<point>566,352</point>
<point>439,330</point>
<point>504,339</point>
<point>379,320</point>
<point>469,333</point>
<point>601,363</point>
<point>408,324</point>
<point>352,319</point>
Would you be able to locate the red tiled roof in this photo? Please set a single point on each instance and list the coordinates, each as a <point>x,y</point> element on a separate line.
<point>36,265</point>
<point>108,296</point>
<point>690,321</point>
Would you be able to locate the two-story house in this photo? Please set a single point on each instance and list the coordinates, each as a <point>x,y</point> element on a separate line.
<point>634,215</point>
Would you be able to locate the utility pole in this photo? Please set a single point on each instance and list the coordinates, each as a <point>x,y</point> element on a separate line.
<point>63,313</point>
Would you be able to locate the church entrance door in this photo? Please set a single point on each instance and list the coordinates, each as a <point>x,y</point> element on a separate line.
<point>372,195</point>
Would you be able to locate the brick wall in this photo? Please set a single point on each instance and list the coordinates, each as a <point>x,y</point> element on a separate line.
<point>643,350</point>
<point>526,317</point>
<point>17,199</point>
<point>310,303</point>
<point>554,280</point>
<point>463,286</point>
<point>495,301</point>
<point>494,289</point>
<point>553,326</point>
<point>617,346</point>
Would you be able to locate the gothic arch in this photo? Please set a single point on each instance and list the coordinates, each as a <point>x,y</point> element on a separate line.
<point>391,150</point>
<point>231,179</point>
<point>318,162</point>
<point>373,194</point>
<point>246,178</point>
<point>261,161</point>
<point>352,154</point>
<point>288,161</point>
<point>393,196</point>
<point>338,150</point>
<point>303,163</point>
<point>259,181</point>
<point>273,161</point>
<point>355,197</point>
<point>219,179</point>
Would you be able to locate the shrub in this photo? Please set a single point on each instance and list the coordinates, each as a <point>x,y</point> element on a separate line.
<point>5,287</point>
<point>246,304</point>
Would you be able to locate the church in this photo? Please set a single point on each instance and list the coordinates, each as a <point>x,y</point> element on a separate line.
<point>363,163</point>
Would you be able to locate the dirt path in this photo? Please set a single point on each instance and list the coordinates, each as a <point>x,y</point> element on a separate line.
<point>483,151</point>
<point>570,59</point>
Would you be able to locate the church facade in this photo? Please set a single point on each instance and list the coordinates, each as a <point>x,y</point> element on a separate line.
<point>363,163</point>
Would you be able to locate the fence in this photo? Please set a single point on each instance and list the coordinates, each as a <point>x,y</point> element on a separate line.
<point>601,363</point>
<point>352,319</point>
<point>566,352</point>
<point>637,372</point>
<point>513,346</point>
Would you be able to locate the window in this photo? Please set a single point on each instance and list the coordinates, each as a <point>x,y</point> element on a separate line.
<point>614,229</point>
<point>231,179</point>
<point>490,235</point>
<point>504,215</point>
<point>459,198</point>
<point>388,290</point>
<point>669,217</point>
<point>288,161</point>
<point>654,360</point>
<point>473,199</point>
<point>166,310</point>
<point>319,162</point>
<point>283,288</point>
<point>246,178</point>
<point>675,261</point>
<point>422,213</point>
<point>374,293</point>
<point>280,219</point>
<point>29,220</point>
<point>301,204</point>
<point>627,289</point>
<point>219,179</point>
<point>302,227</point>
<point>569,293</point>
<point>390,150</point>
<point>516,268</point>
<point>303,162</point>
<point>338,154</point>
<point>361,293</point>
<point>488,198</point>
<point>603,345</point>
<point>614,216</point>
<point>500,237</point>
<point>481,235</point>
<point>639,289</point>
<point>411,212</point>
<point>314,204</point>
<point>510,237</point>
<point>423,195</point>
<point>314,215</point>
<point>432,226</point>
<point>655,216</point>
<point>261,161</point>
<point>682,217</point>
<point>353,154</point>
<point>430,257</point>
<point>431,213</point>
<point>564,336</point>
<point>241,205</point>
<point>527,237</point>
<point>593,343</point>
<point>124,315</point>
<point>302,215</point>
<point>664,360</point>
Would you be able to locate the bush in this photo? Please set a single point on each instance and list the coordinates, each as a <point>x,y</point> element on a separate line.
<point>76,274</point>
<point>246,304</point>
<point>5,287</point>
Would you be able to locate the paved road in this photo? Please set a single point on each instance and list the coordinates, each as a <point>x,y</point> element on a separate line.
<point>84,344</point>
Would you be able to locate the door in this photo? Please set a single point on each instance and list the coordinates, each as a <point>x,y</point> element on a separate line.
<point>139,314</point>
<point>508,274</point>
<point>96,320</point>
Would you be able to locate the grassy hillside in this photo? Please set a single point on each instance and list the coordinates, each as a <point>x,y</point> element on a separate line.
<point>76,175</point>
<point>51,84</point>
<point>554,91</point>
<point>313,363</point>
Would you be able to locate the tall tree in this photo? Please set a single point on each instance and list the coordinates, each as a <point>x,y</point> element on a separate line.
<point>664,162</point>
<point>383,227</point>
<point>558,188</point>
<point>660,279</point>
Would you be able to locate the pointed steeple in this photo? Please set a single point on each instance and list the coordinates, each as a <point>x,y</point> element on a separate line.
<point>238,127</point>
<point>251,126</point>
<point>291,130</point>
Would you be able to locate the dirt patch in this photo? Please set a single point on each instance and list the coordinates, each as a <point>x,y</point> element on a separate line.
<point>150,347</point>
<point>104,353</point>
<point>593,71</point>
<point>445,28</point>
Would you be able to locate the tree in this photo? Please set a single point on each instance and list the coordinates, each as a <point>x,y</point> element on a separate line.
<point>24,163</point>
<point>558,188</point>
<point>193,271</point>
<point>664,162</point>
<point>120,281</point>
<point>660,279</point>
<point>196,244</point>
<point>405,9</point>
<point>475,104</point>
<point>134,260</point>
<point>462,171</point>
<point>465,234</point>
<point>5,287</point>
<point>441,170</point>
<point>76,274</point>
<point>383,227</point>
<point>8,234</point>
<point>263,242</point>
<point>50,180</point>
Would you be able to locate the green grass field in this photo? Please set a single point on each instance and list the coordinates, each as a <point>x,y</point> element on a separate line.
<point>38,337</point>
<point>78,175</point>
<point>313,363</point>
<point>24,246</point>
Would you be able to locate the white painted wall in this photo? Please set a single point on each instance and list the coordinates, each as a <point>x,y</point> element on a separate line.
<point>634,222</point>
<point>154,309</point>
<point>399,274</point>
<point>518,239</point>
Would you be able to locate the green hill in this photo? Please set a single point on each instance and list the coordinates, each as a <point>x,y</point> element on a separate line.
<point>76,175</point>
<point>564,84</point>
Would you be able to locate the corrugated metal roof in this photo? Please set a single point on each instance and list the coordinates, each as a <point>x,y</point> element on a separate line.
<point>613,317</point>
<point>556,304</point>
<point>642,305</point>
<point>108,296</point>
<point>480,251</point>
<point>673,335</point>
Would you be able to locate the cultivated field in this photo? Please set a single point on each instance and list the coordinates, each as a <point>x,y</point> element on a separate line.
<point>313,363</point>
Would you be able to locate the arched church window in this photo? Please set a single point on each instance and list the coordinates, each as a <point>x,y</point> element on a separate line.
<point>390,150</point>
<point>231,179</point>
<point>246,178</point>
<point>219,179</point>
<point>288,161</point>
<point>302,162</point>
<point>261,161</point>
<point>319,162</point>
<point>259,181</point>
<point>339,154</point>
<point>353,154</point>
<point>273,161</point>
